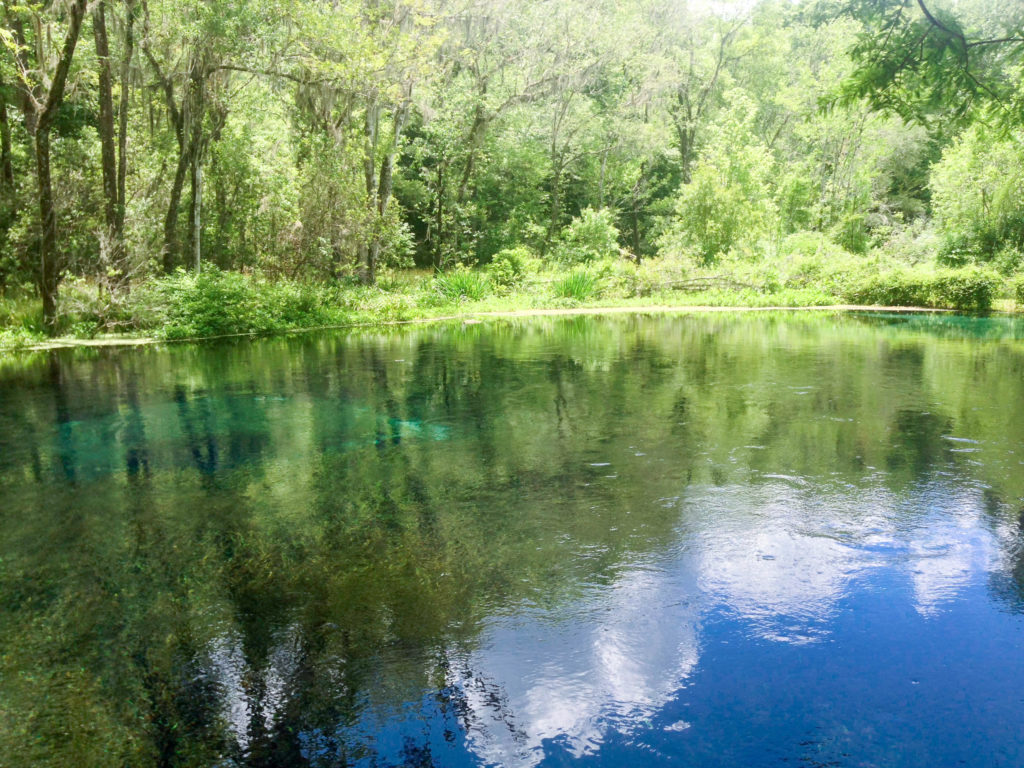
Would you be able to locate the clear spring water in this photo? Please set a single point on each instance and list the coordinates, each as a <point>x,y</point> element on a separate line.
<point>707,540</point>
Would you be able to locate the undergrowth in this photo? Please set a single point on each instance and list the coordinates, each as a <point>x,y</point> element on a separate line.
<point>217,303</point>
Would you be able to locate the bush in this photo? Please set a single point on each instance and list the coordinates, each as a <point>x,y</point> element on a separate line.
<point>578,285</point>
<point>967,289</point>
<point>591,236</point>
<point>462,283</point>
<point>1018,292</point>
<point>911,245</point>
<point>852,233</point>
<point>217,303</point>
<point>508,267</point>
<point>970,289</point>
<point>21,309</point>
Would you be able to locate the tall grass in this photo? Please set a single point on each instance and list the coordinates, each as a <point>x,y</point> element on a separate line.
<point>462,284</point>
<point>578,285</point>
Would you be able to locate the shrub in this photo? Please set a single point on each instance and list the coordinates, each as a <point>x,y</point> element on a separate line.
<point>968,288</point>
<point>462,283</point>
<point>898,288</point>
<point>578,285</point>
<point>219,303</point>
<point>508,267</point>
<point>1008,260</point>
<point>22,309</point>
<point>1018,292</point>
<point>852,233</point>
<point>591,236</point>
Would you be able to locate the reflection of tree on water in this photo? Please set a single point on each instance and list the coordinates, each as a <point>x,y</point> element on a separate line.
<point>260,570</point>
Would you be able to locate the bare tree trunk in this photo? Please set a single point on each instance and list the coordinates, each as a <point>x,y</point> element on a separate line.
<point>379,191</point>
<point>197,209</point>
<point>687,140</point>
<point>438,234</point>
<point>555,213</point>
<point>122,117</point>
<point>49,274</point>
<point>197,112</point>
<point>6,163</point>
<point>171,243</point>
<point>108,157</point>
<point>474,141</point>
<point>367,254</point>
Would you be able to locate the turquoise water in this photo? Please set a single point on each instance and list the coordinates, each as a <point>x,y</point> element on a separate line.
<point>705,540</point>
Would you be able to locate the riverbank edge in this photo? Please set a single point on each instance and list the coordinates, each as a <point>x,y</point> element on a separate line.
<point>467,318</point>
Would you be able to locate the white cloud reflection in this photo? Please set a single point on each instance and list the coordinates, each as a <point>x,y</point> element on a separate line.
<point>612,661</point>
<point>780,559</point>
<point>776,558</point>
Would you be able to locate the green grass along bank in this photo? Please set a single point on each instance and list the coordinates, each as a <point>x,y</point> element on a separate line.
<point>217,303</point>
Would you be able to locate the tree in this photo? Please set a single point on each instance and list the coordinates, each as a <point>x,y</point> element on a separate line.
<point>926,64</point>
<point>42,93</point>
<point>113,127</point>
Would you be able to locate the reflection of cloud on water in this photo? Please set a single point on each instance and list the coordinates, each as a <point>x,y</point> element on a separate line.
<point>775,560</point>
<point>249,693</point>
<point>778,557</point>
<point>784,558</point>
<point>614,660</point>
<point>947,551</point>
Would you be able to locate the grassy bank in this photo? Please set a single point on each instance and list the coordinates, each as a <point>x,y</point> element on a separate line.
<point>186,306</point>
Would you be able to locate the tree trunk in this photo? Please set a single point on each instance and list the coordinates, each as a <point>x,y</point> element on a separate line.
<point>108,156</point>
<point>474,141</point>
<point>197,210</point>
<point>687,138</point>
<point>367,254</point>
<point>122,117</point>
<point>379,191</point>
<point>197,112</point>
<point>438,234</point>
<point>171,243</point>
<point>49,274</point>
<point>556,202</point>
<point>41,120</point>
<point>6,163</point>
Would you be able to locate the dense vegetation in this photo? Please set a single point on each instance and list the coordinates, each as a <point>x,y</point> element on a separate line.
<point>189,167</point>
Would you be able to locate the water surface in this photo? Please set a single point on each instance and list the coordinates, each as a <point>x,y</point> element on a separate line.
<point>707,540</point>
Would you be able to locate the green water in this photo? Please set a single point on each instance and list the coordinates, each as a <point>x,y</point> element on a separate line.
<point>708,540</point>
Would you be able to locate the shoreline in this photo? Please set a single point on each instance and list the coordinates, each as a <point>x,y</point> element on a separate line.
<point>468,318</point>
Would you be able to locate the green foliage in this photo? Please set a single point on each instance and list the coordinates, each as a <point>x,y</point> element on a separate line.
<point>968,289</point>
<point>218,303</point>
<point>21,320</point>
<point>728,203</point>
<point>978,196</point>
<point>1018,292</point>
<point>933,65</point>
<point>509,266</point>
<point>591,236</point>
<point>462,283</point>
<point>474,142</point>
<point>852,233</point>
<point>578,285</point>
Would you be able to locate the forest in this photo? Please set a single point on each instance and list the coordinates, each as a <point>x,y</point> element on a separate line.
<point>186,168</point>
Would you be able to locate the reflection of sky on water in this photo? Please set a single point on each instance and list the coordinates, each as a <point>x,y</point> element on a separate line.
<point>610,662</point>
<point>769,563</point>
